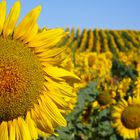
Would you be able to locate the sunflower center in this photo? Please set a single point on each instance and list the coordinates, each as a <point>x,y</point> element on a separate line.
<point>11,77</point>
<point>104,98</point>
<point>21,79</point>
<point>131,117</point>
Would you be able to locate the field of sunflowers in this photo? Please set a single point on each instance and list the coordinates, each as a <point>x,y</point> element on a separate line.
<point>107,102</point>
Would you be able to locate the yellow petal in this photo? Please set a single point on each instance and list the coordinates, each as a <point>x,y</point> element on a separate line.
<point>3,131</point>
<point>62,88</point>
<point>42,120</point>
<point>53,111</point>
<point>130,100</point>
<point>12,134</point>
<point>10,22</point>
<point>27,24</point>
<point>2,14</point>
<point>17,130</point>
<point>31,126</point>
<point>47,38</point>
<point>51,52</point>
<point>43,134</point>
<point>30,34</point>
<point>118,109</point>
<point>95,104</point>
<point>116,115</point>
<point>58,100</point>
<point>24,130</point>
<point>57,72</point>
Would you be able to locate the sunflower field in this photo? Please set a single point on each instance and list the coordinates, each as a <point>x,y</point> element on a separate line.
<point>108,102</point>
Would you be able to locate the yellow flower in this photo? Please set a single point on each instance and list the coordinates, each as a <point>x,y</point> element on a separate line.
<point>99,64</point>
<point>136,91</point>
<point>85,79</point>
<point>104,100</point>
<point>126,118</point>
<point>34,93</point>
<point>129,57</point>
<point>90,59</point>
<point>123,87</point>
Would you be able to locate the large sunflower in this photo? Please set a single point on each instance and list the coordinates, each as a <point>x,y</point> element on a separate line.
<point>126,118</point>
<point>34,93</point>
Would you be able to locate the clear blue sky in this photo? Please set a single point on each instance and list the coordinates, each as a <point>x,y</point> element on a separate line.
<point>110,14</point>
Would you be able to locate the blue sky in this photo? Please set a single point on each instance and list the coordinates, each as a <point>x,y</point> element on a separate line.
<point>105,14</point>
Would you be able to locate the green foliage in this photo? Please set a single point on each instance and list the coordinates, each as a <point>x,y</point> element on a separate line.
<point>121,70</point>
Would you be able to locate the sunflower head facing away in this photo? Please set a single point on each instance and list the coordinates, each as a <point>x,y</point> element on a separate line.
<point>34,93</point>
<point>126,118</point>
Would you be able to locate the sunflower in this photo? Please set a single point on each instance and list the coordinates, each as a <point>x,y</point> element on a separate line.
<point>123,87</point>
<point>106,97</point>
<point>136,90</point>
<point>104,100</point>
<point>34,92</point>
<point>126,117</point>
